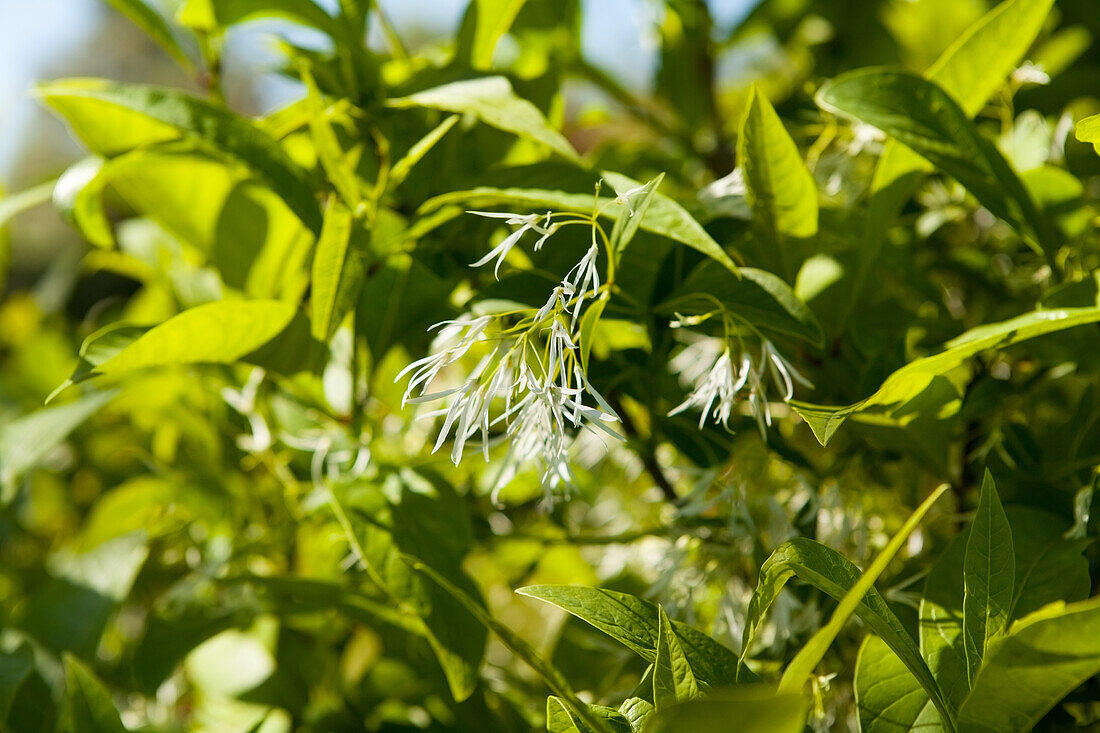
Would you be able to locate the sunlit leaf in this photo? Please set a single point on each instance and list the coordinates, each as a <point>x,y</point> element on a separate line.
<point>779,188</point>
<point>913,378</point>
<point>492,101</point>
<point>833,574</point>
<point>923,117</point>
<point>1024,674</point>
<point>636,624</point>
<point>988,578</point>
<point>112,118</point>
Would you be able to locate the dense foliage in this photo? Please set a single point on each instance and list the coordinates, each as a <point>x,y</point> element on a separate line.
<point>794,354</point>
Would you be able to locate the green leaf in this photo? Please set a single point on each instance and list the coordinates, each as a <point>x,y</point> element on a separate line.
<point>492,101</point>
<point>970,70</point>
<point>988,578</point>
<point>88,704</point>
<point>422,147</point>
<point>664,216</point>
<point>267,333</point>
<point>208,16</point>
<point>746,710</point>
<point>154,26</point>
<point>1050,569</point>
<point>112,118</point>
<point>977,63</point>
<point>560,720</point>
<point>339,170</point>
<point>888,697</point>
<point>802,666</point>
<point>758,297</point>
<point>637,712</point>
<point>833,574</point>
<point>923,117</point>
<point>1026,673</point>
<point>779,188</point>
<point>15,667</point>
<point>673,680</point>
<point>485,23</point>
<point>636,624</point>
<point>246,231</point>
<point>589,321</point>
<point>339,269</point>
<point>78,196</point>
<point>1088,131</point>
<point>26,440</point>
<point>913,378</point>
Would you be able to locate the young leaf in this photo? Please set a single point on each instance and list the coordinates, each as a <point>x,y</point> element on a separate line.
<point>673,680</point>
<point>338,271</point>
<point>333,160</point>
<point>88,705</point>
<point>637,712</point>
<point>988,578</point>
<point>913,378</point>
<point>779,188</point>
<point>154,26</point>
<point>924,118</point>
<point>485,22</point>
<point>758,296</point>
<point>1088,131</point>
<point>492,101</point>
<point>833,574</point>
<point>635,623</point>
<point>112,118</point>
<point>802,666</point>
<point>78,196</point>
<point>26,440</point>
<point>1043,658</point>
<point>209,16</point>
<point>976,64</point>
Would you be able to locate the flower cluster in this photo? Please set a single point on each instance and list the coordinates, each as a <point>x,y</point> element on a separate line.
<point>527,387</point>
<point>708,366</point>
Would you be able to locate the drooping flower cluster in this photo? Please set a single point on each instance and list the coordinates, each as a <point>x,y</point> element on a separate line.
<point>527,378</point>
<point>718,385</point>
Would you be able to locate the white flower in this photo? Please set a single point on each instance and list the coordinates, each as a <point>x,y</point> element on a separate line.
<point>449,346</point>
<point>540,401</point>
<point>584,276</point>
<point>627,197</point>
<point>781,370</point>
<point>1029,73</point>
<point>720,383</point>
<point>708,365</point>
<point>524,222</point>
